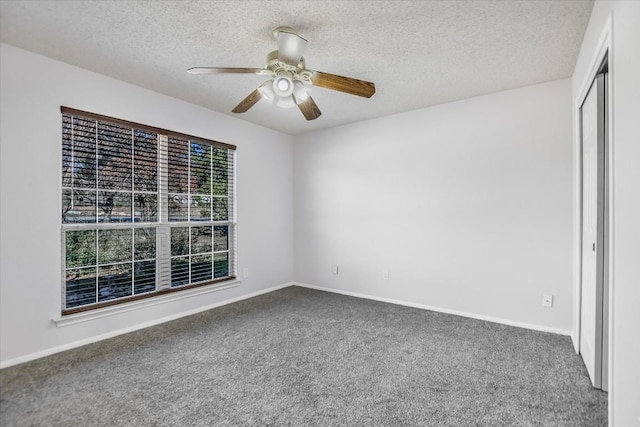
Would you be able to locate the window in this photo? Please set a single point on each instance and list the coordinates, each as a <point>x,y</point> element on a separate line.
<point>145,211</point>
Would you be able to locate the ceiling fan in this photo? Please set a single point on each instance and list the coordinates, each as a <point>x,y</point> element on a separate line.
<point>290,79</point>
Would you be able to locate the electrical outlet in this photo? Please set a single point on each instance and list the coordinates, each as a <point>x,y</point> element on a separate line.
<point>334,269</point>
<point>547,300</point>
<point>245,272</point>
<point>385,274</point>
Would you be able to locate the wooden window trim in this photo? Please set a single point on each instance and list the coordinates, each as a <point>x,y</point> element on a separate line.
<point>148,128</point>
<point>147,295</point>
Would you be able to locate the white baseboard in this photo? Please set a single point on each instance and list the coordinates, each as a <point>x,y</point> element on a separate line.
<point>442,310</point>
<point>90,340</point>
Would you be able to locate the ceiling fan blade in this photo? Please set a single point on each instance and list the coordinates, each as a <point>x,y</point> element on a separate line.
<point>229,70</point>
<point>343,84</point>
<point>309,109</point>
<point>248,102</point>
<point>290,47</point>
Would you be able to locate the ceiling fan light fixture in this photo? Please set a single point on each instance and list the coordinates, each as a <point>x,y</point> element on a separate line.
<point>301,92</point>
<point>267,92</point>
<point>283,86</point>
<point>285,102</point>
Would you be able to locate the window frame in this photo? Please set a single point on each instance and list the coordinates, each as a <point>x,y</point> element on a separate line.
<point>162,225</point>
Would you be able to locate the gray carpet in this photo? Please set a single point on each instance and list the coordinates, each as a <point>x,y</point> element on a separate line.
<point>299,357</point>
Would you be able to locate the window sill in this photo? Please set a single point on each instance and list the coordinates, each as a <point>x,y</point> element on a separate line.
<point>86,316</point>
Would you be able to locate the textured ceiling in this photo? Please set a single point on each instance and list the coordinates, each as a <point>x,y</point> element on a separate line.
<point>418,53</point>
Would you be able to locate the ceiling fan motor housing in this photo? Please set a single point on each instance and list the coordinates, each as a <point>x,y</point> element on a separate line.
<point>297,72</point>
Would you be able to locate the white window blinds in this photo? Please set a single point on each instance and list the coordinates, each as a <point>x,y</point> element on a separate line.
<point>145,211</point>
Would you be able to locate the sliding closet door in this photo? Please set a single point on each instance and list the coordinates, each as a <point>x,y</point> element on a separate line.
<point>593,250</point>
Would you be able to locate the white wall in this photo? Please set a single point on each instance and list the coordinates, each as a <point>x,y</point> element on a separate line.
<point>33,88</point>
<point>467,205</point>
<point>624,75</point>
